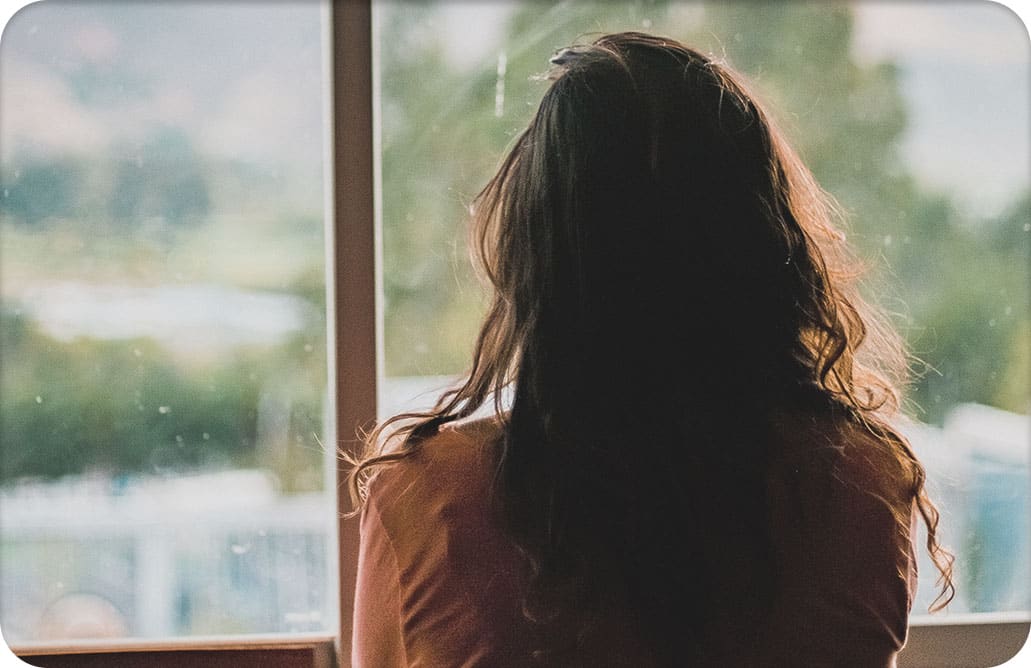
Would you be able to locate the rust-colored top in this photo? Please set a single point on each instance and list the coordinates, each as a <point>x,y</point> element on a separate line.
<point>440,585</point>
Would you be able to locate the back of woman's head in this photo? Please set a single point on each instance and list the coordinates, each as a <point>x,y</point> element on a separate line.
<point>666,275</point>
<point>651,231</point>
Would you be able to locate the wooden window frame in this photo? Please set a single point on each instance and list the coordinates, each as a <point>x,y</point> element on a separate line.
<point>354,359</point>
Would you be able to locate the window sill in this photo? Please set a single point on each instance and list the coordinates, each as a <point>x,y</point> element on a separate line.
<point>281,651</point>
<point>934,642</point>
<point>964,641</point>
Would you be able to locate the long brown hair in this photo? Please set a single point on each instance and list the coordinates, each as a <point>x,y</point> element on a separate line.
<point>666,273</point>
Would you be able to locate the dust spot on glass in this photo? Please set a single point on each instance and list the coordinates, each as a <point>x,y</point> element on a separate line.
<point>308,348</point>
<point>137,352</point>
<point>991,322</point>
<point>237,548</point>
<point>39,399</point>
<point>1027,227</point>
<point>887,239</point>
<point>164,410</point>
<point>206,436</point>
<point>646,23</point>
<point>179,439</point>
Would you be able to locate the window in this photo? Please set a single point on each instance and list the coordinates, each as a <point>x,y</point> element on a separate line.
<point>162,159</point>
<point>164,385</point>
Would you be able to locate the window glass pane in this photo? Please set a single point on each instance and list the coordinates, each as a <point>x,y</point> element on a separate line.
<point>922,137</point>
<point>163,381</point>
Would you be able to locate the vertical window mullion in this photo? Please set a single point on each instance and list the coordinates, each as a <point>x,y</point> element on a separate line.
<point>352,283</point>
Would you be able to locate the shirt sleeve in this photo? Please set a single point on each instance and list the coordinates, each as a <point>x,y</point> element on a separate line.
<point>376,636</point>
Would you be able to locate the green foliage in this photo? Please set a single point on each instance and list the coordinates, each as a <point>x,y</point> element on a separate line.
<point>39,191</point>
<point>128,406</point>
<point>163,179</point>
<point>114,406</point>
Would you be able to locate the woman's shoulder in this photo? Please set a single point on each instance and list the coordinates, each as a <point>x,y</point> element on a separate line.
<point>844,451</point>
<point>447,470</point>
<point>457,576</point>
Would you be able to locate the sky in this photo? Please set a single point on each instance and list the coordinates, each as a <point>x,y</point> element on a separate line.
<point>965,75</point>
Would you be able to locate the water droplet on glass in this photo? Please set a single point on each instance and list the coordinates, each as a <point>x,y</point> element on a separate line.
<point>240,549</point>
<point>308,348</point>
<point>887,239</point>
<point>1027,227</point>
<point>137,352</point>
<point>1008,310</point>
<point>206,436</point>
<point>178,438</point>
<point>262,533</point>
<point>646,23</point>
<point>39,399</point>
<point>164,410</point>
<point>991,323</point>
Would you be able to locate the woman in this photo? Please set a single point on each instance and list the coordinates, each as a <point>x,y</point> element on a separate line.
<point>695,466</point>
